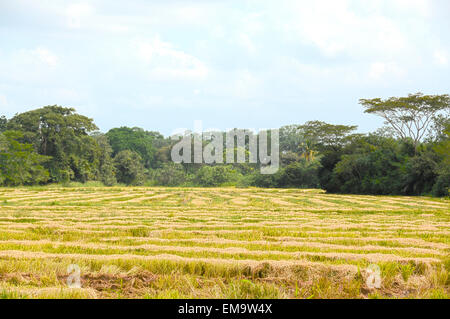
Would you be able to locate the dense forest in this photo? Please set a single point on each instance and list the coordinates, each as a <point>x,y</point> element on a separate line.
<point>410,155</point>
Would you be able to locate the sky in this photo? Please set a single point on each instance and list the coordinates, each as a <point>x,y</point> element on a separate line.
<point>256,64</point>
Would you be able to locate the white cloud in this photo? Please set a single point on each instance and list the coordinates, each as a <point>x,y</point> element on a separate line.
<point>64,94</point>
<point>38,57</point>
<point>314,77</point>
<point>45,56</point>
<point>245,41</point>
<point>385,70</point>
<point>32,61</point>
<point>189,14</point>
<point>216,54</point>
<point>252,23</point>
<point>77,13</point>
<point>31,67</point>
<point>247,85</point>
<point>3,101</point>
<point>247,28</point>
<point>441,57</point>
<point>162,59</point>
<point>337,27</point>
<point>421,7</point>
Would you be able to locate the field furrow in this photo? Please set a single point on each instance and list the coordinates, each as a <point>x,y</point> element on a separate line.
<point>220,243</point>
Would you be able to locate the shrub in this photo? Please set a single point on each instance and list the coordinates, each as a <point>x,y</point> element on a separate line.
<point>170,174</point>
<point>215,175</point>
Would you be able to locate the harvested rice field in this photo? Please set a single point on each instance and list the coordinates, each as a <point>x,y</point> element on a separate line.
<point>140,242</point>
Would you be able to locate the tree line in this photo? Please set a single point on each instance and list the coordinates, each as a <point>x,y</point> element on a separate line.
<point>410,155</point>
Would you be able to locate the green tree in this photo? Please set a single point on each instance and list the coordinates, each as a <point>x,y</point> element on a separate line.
<point>162,156</point>
<point>442,185</point>
<point>301,174</point>
<point>3,123</point>
<point>267,180</point>
<point>214,175</point>
<point>19,163</point>
<point>133,139</point>
<point>129,168</point>
<point>323,136</point>
<point>420,173</point>
<point>370,165</point>
<point>62,134</point>
<point>411,116</point>
<point>288,157</point>
<point>291,136</point>
<point>170,174</point>
<point>3,143</point>
<point>329,141</point>
<point>106,170</point>
<point>307,151</point>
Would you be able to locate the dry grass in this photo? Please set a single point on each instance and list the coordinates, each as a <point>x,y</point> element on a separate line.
<point>140,242</point>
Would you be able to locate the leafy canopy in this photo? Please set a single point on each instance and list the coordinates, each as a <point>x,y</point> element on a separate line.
<point>411,116</point>
<point>133,139</point>
<point>61,133</point>
<point>19,163</point>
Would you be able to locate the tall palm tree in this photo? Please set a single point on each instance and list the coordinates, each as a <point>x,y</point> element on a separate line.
<point>307,151</point>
